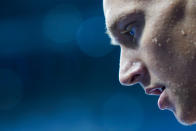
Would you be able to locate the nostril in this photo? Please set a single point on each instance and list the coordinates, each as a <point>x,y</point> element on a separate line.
<point>135,78</point>
<point>136,73</point>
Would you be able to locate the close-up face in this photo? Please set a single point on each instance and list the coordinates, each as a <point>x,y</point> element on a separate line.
<point>158,50</point>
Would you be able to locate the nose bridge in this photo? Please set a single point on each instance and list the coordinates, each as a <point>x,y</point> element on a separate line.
<point>132,69</point>
<point>128,58</point>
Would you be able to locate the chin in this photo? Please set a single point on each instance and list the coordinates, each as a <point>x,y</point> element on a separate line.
<point>186,118</point>
<point>186,122</point>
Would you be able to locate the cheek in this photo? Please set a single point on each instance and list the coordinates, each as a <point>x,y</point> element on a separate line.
<point>159,59</point>
<point>171,57</point>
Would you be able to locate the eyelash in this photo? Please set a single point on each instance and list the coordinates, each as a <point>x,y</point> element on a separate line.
<point>130,30</point>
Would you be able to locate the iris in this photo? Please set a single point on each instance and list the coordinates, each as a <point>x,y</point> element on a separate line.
<point>132,31</point>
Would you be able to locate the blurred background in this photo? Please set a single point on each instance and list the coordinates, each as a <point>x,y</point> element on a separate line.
<point>58,72</point>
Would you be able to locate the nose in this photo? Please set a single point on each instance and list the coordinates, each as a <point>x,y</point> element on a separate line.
<point>132,73</point>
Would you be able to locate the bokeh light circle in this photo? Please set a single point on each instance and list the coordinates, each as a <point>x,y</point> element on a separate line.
<point>61,24</point>
<point>92,39</point>
<point>122,113</point>
<point>11,89</point>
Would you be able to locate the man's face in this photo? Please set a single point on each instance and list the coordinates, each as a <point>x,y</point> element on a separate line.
<point>158,49</point>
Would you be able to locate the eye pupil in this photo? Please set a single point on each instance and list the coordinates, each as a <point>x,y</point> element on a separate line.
<point>132,31</point>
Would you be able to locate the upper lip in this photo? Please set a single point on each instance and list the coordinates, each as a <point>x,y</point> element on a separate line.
<point>155,90</point>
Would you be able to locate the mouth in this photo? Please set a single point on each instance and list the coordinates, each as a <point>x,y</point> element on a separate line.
<point>156,90</point>
<point>163,101</point>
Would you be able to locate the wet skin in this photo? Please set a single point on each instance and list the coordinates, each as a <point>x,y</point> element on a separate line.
<point>158,50</point>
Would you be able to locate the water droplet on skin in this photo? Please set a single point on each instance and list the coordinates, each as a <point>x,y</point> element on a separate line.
<point>154,40</point>
<point>183,33</point>
<point>159,44</point>
<point>168,40</point>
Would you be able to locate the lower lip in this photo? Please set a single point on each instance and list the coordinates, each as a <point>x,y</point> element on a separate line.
<point>163,101</point>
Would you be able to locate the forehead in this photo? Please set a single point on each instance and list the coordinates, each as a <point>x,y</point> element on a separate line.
<point>115,9</point>
<point>119,4</point>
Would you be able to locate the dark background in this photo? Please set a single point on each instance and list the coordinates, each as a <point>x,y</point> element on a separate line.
<point>58,72</point>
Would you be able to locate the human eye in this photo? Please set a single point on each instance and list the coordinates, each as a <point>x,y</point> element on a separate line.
<point>130,31</point>
<point>127,31</point>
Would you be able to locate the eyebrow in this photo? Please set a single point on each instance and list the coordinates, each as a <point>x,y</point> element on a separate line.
<point>115,20</point>
<point>123,16</point>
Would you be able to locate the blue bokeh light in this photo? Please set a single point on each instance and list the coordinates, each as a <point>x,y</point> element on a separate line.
<point>92,39</point>
<point>61,24</point>
<point>11,89</point>
<point>122,113</point>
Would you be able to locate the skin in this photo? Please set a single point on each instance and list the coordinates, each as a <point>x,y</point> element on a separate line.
<point>164,51</point>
